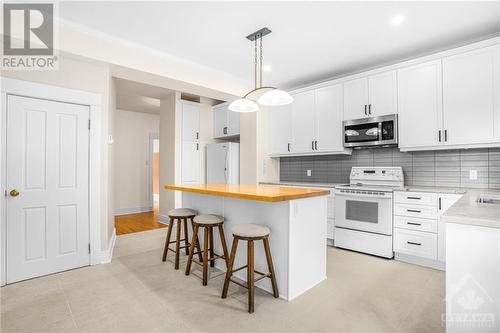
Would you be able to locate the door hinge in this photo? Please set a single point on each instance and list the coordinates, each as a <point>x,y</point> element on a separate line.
<point>89,247</point>
<point>89,124</point>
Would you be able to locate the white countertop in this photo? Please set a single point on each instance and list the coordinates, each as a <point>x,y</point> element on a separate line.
<point>467,210</point>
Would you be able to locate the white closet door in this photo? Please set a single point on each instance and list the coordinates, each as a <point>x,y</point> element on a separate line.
<point>471,96</point>
<point>190,160</point>
<point>48,164</point>
<point>329,106</point>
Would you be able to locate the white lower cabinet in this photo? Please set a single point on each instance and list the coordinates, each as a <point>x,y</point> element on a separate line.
<point>416,243</point>
<point>419,235</point>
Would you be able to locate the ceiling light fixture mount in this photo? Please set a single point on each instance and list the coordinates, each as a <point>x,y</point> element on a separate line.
<point>273,96</point>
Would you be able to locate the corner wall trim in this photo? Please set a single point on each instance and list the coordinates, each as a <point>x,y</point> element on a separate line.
<point>107,255</point>
<point>132,210</point>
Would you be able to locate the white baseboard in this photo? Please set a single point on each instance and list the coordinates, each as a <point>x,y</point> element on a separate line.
<point>163,219</point>
<point>132,210</point>
<point>107,255</point>
<point>420,261</point>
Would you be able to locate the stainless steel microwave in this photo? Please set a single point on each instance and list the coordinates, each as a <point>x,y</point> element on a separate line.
<point>371,132</point>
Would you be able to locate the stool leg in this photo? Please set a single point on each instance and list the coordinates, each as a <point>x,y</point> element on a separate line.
<point>270,266</point>
<point>205,256</point>
<point>229,271</point>
<point>211,238</point>
<point>178,243</point>
<point>186,243</point>
<point>198,248</point>
<point>224,245</point>
<point>194,242</point>
<point>167,241</point>
<point>250,275</point>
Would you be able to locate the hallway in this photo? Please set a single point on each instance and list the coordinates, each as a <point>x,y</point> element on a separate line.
<point>126,224</point>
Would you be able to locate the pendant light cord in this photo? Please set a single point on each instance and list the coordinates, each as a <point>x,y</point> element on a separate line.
<point>255,66</point>
<point>261,61</point>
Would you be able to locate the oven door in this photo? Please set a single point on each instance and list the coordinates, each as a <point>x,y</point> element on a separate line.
<point>364,212</point>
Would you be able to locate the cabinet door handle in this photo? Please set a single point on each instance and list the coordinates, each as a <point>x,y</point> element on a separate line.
<point>413,243</point>
<point>439,203</point>
<point>365,111</point>
<point>439,135</point>
<point>445,135</point>
<point>288,147</point>
<point>414,198</point>
<point>197,146</point>
<point>414,211</point>
<point>197,135</point>
<point>369,109</point>
<point>412,223</point>
<point>312,145</point>
<point>316,145</point>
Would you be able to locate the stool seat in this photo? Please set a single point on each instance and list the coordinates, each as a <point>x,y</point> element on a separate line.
<point>208,219</point>
<point>251,230</point>
<point>181,212</point>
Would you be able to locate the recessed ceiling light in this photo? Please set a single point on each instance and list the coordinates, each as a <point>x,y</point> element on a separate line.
<point>397,20</point>
<point>267,68</point>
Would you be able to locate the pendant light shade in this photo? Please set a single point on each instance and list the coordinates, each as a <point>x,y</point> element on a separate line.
<point>275,97</point>
<point>243,105</point>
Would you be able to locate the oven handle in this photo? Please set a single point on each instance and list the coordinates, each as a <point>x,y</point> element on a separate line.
<point>354,195</point>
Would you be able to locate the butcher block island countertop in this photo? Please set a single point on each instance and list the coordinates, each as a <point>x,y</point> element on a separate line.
<point>251,192</point>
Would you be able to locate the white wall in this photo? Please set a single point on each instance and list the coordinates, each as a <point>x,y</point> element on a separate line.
<point>80,74</point>
<point>131,149</point>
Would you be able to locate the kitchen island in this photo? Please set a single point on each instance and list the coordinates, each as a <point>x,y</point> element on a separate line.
<point>297,218</point>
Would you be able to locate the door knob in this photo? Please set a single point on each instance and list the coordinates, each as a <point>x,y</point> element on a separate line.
<point>14,193</point>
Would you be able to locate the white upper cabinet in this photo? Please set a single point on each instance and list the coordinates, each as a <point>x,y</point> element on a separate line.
<point>371,96</point>
<point>420,105</point>
<point>226,122</point>
<point>471,90</point>
<point>303,122</point>
<point>382,94</point>
<point>191,170</point>
<point>280,129</point>
<point>356,99</point>
<point>328,114</point>
<point>190,122</point>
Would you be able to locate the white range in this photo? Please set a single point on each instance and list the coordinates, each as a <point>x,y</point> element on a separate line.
<point>363,210</point>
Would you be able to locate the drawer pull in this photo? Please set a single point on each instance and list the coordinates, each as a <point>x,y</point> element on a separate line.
<point>414,211</point>
<point>412,223</point>
<point>414,198</point>
<point>413,243</point>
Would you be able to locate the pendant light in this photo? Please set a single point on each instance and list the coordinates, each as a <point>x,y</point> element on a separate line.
<point>273,96</point>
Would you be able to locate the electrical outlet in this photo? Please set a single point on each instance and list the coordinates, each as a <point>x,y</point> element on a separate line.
<point>473,174</point>
<point>309,173</point>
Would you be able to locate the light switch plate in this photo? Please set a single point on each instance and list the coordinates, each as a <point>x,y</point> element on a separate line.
<point>309,173</point>
<point>473,174</point>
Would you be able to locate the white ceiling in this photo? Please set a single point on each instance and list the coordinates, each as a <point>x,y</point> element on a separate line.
<point>311,41</point>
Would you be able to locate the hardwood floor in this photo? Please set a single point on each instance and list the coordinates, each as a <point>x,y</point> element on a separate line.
<point>126,224</point>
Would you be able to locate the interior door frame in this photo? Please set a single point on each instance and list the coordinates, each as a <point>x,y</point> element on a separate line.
<point>152,137</point>
<point>65,95</point>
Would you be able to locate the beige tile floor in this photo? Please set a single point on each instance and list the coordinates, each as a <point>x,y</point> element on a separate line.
<point>139,293</point>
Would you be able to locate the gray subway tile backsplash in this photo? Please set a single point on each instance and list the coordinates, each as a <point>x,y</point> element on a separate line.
<point>427,168</point>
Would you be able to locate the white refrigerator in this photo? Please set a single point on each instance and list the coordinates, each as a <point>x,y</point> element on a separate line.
<point>223,163</point>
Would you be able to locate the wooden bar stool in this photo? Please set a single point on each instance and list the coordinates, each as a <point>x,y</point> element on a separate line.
<point>250,232</point>
<point>180,216</point>
<point>208,222</point>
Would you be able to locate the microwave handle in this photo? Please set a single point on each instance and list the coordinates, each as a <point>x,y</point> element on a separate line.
<point>380,131</point>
